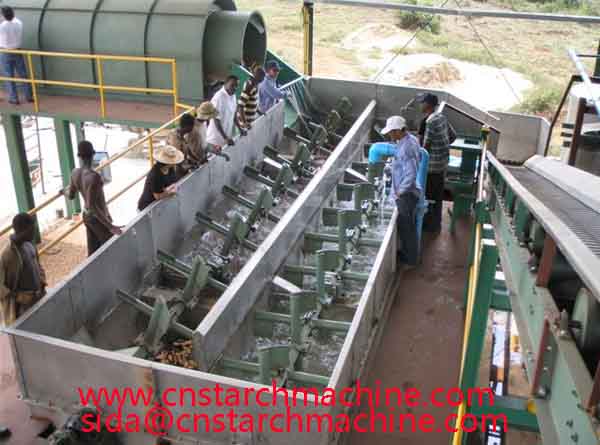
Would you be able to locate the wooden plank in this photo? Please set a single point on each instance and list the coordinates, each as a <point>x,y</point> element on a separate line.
<point>546,262</point>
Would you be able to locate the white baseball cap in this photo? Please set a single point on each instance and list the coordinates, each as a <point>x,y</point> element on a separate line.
<point>394,123</point>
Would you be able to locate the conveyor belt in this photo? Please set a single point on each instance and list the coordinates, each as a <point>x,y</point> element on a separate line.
<point>581,219</point>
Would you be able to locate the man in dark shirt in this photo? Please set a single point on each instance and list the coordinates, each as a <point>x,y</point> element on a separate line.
<point>88,182</point>
<point>437,136</point>
<point>22,279</point>
<point>162,178</point>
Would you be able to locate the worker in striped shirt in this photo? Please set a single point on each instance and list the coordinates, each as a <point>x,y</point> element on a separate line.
<point>437,137</point>
<point>248,103</point>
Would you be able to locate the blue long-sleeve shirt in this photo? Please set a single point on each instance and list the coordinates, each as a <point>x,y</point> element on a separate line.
<point>268,94</point>
<point>405,166</point>
<point>381,150</point>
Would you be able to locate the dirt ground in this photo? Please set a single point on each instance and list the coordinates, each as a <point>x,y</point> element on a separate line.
<point>537,50</point>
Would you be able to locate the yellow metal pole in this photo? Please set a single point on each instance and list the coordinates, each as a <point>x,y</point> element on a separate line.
<point>175,86</point>
<point>473,279</point>
<point>36,105</point>
<point>101,84</point>
<point>151,150</point>
<point>74,227</point>
<point>308,24</point>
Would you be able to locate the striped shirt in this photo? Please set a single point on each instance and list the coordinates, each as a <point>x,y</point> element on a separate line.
<point>439,134</point>
<point>249,100</point>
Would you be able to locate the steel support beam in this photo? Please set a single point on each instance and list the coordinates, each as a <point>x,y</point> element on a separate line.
<point>18,161</point>
<point>64,143</point>
<point>560,408</point>
<point>466,12</point>
<point>481,307</point>
<point>514,409</point>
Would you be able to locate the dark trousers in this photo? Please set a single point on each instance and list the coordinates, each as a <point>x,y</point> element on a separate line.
<point>408,250</point>
<point>435,192</point>
<point>97,233</point>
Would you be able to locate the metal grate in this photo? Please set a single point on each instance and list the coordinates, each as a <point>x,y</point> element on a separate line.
<point>581,219</point>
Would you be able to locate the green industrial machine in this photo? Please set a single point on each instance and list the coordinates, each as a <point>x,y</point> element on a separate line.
<point>205,37</point>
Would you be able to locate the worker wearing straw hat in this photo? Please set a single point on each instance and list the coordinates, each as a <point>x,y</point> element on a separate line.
<point>191,139</point>
<point>162,178</point>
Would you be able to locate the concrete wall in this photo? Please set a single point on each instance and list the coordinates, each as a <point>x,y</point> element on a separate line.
<point>227,315</point>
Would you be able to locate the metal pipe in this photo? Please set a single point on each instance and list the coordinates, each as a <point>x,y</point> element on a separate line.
<point>71,229</point>
<point>36,104</point>
<point>466,12</point>
<point>586,79</point>
<point>104,57</point>
<point>101,87</point>
<point>308,14</point>
<point>102,165</point>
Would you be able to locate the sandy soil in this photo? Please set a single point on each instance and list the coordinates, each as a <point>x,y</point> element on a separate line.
<point>483,86</point>
<point>486,87</point>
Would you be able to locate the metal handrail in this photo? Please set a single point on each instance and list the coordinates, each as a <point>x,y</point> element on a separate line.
<point>149,137</point>
<point>586,80</point>
<point>100,86</point>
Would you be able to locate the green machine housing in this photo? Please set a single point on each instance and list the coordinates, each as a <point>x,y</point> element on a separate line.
<point>206,37</point>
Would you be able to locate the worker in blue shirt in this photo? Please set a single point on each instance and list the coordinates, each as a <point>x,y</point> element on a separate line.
<point>268,91</point>
<point>405,187</point>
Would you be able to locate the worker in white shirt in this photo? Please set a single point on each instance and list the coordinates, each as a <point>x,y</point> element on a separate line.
<point>11,37</point>
<point>220,129</point>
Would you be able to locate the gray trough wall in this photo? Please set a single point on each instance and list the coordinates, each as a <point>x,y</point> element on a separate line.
<point>369,320</point>
<point>522,136</point>
<point>227,315</point>
<point>85,296</point>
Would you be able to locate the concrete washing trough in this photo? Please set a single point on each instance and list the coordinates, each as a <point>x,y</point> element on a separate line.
<point>50,337</point>
<point>231,331</point>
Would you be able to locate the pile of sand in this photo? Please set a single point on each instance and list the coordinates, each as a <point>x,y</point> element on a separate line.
<point>435,76</point>
<point>483,86</point>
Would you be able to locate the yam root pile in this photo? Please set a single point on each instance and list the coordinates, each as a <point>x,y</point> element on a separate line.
<point>179,353</point>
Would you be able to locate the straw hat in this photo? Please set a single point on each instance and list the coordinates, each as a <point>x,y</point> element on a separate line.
<point>169,155</point>
<point>206,111</point>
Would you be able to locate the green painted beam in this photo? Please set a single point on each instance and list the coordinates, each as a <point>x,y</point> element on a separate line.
<point>514,408</point>
<point>500,301</point>
<point>66,158</point>
<point>481,306</point>
<point>18,161</point>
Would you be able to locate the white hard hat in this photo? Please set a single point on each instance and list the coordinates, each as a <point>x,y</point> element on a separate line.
<point>394,123</point>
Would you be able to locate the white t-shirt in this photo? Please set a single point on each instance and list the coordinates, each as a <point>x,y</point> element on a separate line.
<point>11,34</point>
<point>226,105</point>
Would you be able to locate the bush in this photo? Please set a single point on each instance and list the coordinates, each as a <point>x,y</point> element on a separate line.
<point>542,100</point>
<point>418,20</point>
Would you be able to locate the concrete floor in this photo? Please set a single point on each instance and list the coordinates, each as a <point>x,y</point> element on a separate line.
<point>422,341</point>
<point>14,414</point>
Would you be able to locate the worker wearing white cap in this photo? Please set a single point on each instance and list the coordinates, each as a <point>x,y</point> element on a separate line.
<point>405,187</point>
